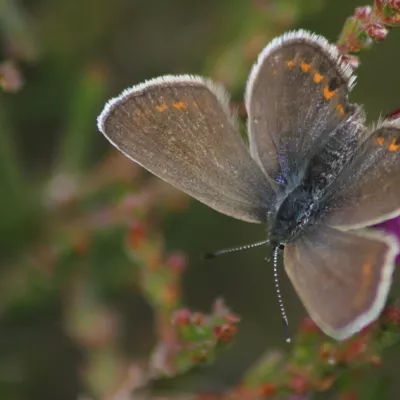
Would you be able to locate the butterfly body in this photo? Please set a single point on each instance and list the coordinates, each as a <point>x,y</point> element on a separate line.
<point>298,210</point>
<point>313,172</point>
<point>304,194</point>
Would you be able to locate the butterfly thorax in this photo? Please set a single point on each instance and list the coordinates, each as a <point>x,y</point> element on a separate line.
<point>298,210</point>
<point>302,205</point>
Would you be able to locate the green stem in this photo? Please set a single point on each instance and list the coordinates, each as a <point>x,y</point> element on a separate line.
<point>85,105</point>
<point>14,199</point>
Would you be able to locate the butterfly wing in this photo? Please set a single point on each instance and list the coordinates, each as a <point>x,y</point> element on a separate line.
<point>342,278</point>
<point>296,97</point>
<point>368,189</point>
<point>180,129</point>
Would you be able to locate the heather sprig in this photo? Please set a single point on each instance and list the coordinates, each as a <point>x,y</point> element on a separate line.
<point>367,25</point>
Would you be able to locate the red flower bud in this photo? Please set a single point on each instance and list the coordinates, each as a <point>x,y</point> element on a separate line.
<point>349,395</point>
<point>353,61</point>
<point>363,13</point>
<point>199,357</point>
<point>394,114</point>
<point>181,317</point>
<point>376,361</point>
<point>225,332</point>
<point>197,318</point>
<point>298,384</point>
<point>232,318</point>
<point>391,315</point>
<point>10,77</point>
<point>379,4</point>
<point>268,389</point>
<point>377,31</point>
<point>395,4</point>
<point>308,326</point>
<point>176,261</point>
<point>326,351</point>
<point>136,234</point>
<point>208,396</point>
<point>352,350</point>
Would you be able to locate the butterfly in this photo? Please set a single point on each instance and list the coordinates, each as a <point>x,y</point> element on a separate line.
<point>313,172</point>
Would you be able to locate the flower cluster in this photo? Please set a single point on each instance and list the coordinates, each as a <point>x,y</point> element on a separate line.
<point>194,338</point>
<point>10,77</point>
<point>368,24</point>
<point>318,364</point>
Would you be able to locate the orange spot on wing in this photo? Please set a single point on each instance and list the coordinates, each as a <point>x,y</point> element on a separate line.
<point>328,94</point>
<point>318,77</point>
<point>291,64</point>
<point>380,140</point>
<point>305,67</point>
<point>365,284</point>
<point>340,110</point>
<point>161,107</point>
<point>179,105</point>
<point>394,146</point>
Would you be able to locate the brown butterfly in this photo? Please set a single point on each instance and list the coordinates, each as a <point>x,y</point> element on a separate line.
<point>314,173</point>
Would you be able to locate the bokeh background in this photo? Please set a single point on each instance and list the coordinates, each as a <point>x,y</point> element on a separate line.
<point>72,316</point>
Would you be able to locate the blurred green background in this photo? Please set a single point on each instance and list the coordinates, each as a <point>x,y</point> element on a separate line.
<point>74,55</point>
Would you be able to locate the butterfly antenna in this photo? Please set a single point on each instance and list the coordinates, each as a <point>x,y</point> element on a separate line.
<point>279,295</point>
<point>233,249</point>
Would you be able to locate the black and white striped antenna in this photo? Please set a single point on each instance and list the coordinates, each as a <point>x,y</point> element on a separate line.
<point>234,249</point>
<point>285,321</point>
<point>275,256</point>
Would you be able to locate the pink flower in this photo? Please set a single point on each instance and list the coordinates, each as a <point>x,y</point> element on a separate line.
<point>392,226</point>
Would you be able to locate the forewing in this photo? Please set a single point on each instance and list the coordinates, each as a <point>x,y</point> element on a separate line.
<point>180,129</point>
<point>368,189</point>
<point>342,278</point>
<point>296,97</point>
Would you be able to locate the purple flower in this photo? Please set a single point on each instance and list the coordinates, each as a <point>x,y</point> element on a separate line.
<point>392,226</point>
